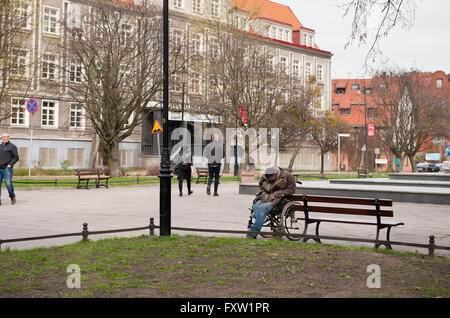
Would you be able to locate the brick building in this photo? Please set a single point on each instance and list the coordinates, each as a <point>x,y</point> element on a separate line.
<point>349,104</point>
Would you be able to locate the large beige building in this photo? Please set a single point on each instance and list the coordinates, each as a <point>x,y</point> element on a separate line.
<point>59,128</point>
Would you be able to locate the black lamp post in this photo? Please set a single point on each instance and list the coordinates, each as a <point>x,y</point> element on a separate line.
<point>165,172</point>
<point>236,166</point>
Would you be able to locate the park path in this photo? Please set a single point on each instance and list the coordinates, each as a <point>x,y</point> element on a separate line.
<point>56,211</point>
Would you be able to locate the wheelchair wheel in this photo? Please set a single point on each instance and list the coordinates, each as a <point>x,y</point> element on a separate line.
<point>290,226</point>
<point>269,225</point>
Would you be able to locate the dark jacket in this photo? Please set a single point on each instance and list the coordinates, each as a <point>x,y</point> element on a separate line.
<point>8,155</point>
<point>214,160</point>
<point>272,191</point>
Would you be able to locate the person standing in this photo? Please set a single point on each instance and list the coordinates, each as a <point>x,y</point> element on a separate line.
<point>214,164</point>
<point>8,157</point>
<point>183,169</point>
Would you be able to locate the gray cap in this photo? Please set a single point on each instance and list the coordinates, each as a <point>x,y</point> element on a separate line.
<point>271,170</point>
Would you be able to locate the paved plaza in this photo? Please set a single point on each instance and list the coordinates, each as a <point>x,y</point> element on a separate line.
<point>55,211</point>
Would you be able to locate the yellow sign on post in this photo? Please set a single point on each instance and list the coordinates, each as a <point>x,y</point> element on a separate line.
<point>156,128</point>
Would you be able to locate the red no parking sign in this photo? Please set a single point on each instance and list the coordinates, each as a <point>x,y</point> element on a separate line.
<point>32,105</point>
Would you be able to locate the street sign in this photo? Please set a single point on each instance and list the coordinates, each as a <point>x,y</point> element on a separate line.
<point>377,151</point>
<point>397,161</point>
<point>433,156</point>
<point>447,151</point>
<point>370,130</point>
<point>156,128</point>
<point>381,161</point>
<point>32,105</point>
<point>363,148</point>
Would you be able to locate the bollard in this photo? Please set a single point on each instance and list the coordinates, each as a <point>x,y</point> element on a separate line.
<point>85,232</point>
<point>56,182</point>
<point>152,226</point>
<point>431,246</point>
<point>137,180</point>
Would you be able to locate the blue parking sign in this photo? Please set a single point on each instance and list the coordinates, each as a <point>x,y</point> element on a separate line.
<point>447,151</point>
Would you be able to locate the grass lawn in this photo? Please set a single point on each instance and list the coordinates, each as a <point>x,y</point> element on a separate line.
<point>194,266</point>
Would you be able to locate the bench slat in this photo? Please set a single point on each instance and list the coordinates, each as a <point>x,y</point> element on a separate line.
<point>352,221</point>
<point>342,200</point>
<point>339,210</point>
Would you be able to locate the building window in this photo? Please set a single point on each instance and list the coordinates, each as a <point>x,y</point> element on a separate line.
<point>51,17</point>
<point>124,74</point>
<point>283,65</point>
<point>197,44</point>
<point>75,74</point>
<point>178,40</point>
<point>74,16</point>
<point>310,40</point>
<point>75,156</point>
<point>23,13</point>
<point>308,70</point>
<point>213,48</point>
<point>439,83</point>
<point>320,73</point>
<point>126,35</point>
<point>214,8</point>
<point>355,87</point>
<point>48,157</point>
<point>372,112</point>
<point>77,118</point>
<point>49,117</point>
<point>176,84</point>
<point>19,115</point>
<point>344,111</point>
<point>195,83</point>
<point>295,68</point>
<point>126,158</point>
<point>287,35</point>
<point>340,91</point>
<point>382,86</point>
<point>49,66</point>
<point>23,157</point>
<point>19,63</point>
<point>177,3</point>
<point>197,6</point>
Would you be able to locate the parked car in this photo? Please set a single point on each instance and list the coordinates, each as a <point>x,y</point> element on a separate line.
<point>427,167</point>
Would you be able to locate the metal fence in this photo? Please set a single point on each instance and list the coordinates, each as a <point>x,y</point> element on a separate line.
<point>431,246</point>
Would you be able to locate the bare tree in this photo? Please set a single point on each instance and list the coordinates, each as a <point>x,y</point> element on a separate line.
<point>388,14</point>
<point>411,111</point>
<point>325,132</point>
<point>297,116</point>
<point>115,70</point>
<point>16,73</point>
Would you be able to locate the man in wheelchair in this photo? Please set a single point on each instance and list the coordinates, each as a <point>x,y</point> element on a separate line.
<point>274,184</point>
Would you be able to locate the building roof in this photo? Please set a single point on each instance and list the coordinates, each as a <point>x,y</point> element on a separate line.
<point>268,10</point>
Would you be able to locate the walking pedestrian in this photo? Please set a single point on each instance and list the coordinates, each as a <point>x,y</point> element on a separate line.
<point>214,163</point>
<point>183,169</point>
<point>8,157</point>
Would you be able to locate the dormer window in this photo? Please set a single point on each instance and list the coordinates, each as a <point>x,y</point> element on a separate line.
<point>355,87</point>
<point>439,83</point>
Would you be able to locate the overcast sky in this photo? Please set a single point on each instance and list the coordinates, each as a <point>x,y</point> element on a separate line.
<point>426,46</point>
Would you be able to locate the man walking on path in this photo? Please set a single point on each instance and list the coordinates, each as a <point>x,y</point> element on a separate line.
<point>214,154</point>
<point>8,157</point>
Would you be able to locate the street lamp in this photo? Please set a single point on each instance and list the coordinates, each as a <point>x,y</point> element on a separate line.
<point>165,172</point>
<point>236,166</point>
<point>339,150</point>
<point>365,133</point>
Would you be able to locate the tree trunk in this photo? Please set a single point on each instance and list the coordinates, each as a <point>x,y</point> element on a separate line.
<point>111,157</point>
<point>294,155</point>
<point>413,162</point>
<point>94,151</point>
<point>322,158</point>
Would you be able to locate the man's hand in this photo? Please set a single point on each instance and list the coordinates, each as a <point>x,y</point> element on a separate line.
<point>8,166</point>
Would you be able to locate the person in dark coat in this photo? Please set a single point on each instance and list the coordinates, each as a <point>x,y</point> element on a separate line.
<point>8,157</point>
<point>214,157</point>
<point>275,183</point>
<point>183,169</point>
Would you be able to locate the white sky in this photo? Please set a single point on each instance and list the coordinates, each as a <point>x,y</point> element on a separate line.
<point>425,46</point>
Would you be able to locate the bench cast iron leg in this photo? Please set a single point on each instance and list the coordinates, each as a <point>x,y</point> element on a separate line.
<point>317,233</point>
<point>304,232</point>
<point>378,235</point>
<point>388,238</point>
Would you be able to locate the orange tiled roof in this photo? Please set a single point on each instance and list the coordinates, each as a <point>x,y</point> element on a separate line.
<point>265,9</point>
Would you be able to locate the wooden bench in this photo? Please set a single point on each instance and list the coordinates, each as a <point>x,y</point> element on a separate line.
<point>202,173</point>
<point>363,173</point>
<point>373,209</point>
<point>89,174</point>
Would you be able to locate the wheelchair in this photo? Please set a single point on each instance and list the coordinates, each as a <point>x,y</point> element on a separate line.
<point>281,221</point>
